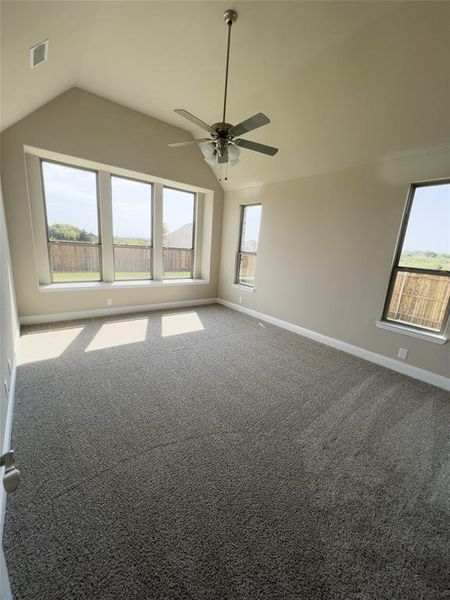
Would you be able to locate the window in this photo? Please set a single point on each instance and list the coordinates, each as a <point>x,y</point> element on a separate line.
<point>132,228</point>
<point>248,244</point>
<point>72,222</point>
<point>178,233</point>
<point>93,223</point>
<point>419,289</point>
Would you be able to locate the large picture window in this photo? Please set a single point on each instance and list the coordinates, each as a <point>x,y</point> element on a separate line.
<point>178,233</point>
<point>94,223</point>
<point>419,289</point>
<point>248,244</point>
<point>71,205</point>
<point>132,228</point>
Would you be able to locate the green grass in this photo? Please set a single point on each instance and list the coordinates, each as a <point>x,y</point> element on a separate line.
<point>87,276</point>
<point>425,260</point>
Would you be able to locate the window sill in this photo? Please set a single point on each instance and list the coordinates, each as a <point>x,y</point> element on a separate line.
<point>436,338</point>
<point>84,286</point>
<point>244,288</point>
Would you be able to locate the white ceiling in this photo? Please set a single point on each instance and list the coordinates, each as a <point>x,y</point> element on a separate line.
<point>343,83</point>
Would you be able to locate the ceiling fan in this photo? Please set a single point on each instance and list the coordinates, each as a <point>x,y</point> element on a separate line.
<point>224,145</point>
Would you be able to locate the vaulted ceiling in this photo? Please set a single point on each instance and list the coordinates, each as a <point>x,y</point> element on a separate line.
<point>343,83</point>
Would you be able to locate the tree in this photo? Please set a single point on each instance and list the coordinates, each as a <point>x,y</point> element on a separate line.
<point>84,236</point>
<point>63,231</point>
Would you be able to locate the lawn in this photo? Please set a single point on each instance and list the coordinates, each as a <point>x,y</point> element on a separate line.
<point>59,277</point>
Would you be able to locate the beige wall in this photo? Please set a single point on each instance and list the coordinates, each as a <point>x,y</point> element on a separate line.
<point>87,126</point>
<point>325,251</point>
<point>8,321</point>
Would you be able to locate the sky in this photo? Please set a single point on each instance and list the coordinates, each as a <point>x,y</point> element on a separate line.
<point>429,220</point>
<point>70,196</point>
<point>250,228</point>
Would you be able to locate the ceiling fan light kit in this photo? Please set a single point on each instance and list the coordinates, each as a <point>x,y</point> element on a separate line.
<point>224,145</point>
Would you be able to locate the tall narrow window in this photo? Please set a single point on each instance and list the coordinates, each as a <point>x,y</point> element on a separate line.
<point>132,228</point>
<point>419,289</point>
<point>72,222</point>
<point>248,244</point>
<point>178,233</point>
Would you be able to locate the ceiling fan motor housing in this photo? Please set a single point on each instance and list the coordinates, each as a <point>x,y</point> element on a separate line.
<point>222,129</point>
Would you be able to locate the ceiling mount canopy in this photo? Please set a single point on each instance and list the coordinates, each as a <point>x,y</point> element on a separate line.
<point>224,144</point>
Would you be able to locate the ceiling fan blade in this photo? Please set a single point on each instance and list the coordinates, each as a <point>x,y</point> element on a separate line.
<point>187,115</point>
<point>250,124</point>
<point>188,142</point>
<point>256,147</point>
<point>223,159</point>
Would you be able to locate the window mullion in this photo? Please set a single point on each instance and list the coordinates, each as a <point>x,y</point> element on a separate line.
<point>198,235</point>
<point>37,204</point>
<point>157,232</point>
<point>106,227</point>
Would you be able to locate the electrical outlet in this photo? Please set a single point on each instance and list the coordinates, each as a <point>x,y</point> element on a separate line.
<point>109,301</point>
<point>402,353</point>
<point>9,365</point>
<point>240,299</point>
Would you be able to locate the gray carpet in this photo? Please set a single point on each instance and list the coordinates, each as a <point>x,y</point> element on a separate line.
<point>239,461</point>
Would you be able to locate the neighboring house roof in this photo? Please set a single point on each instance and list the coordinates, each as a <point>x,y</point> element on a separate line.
<point>180,238</point>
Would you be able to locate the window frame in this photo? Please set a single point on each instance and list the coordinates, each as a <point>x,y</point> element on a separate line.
<point>240,252</point>
<point>97,244</point>
<point>207,207</point>
<point>396,268</point>
<point>194,225</point>
<point>152,231</point>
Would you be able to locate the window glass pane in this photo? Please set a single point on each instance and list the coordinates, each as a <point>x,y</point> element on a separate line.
<point>427,239</point>
<point>71,203</point>
<point>72,219</point>
<point>247,267</point>
<point>132,212</point>
<point>250,228</point>
<point>419,299</point>
<point>132,262</point>
<point>178,219</point>
<point>177,263</point>
<point>178,230</point>
<point>74,261</point>
<point>132,228</point>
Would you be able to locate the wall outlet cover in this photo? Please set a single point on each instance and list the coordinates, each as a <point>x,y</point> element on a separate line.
<point>402,353</point>
<point>109,301</point>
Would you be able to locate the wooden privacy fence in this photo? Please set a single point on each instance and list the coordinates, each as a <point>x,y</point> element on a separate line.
<point>79,257</point>
<point>132,259</point>
<point>419,299</point>
<point>177,260</point>
<point>74,257</point>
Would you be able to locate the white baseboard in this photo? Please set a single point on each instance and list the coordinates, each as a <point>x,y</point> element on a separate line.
<point>113,310</point>
<point>379,359</point>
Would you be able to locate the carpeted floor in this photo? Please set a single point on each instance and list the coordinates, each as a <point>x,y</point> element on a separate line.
<point>215,457</point>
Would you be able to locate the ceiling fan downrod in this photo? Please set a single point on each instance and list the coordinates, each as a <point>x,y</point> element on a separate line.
<point>230,17</point>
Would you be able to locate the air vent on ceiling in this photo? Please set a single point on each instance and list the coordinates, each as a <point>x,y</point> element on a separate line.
<point>38,54</point>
